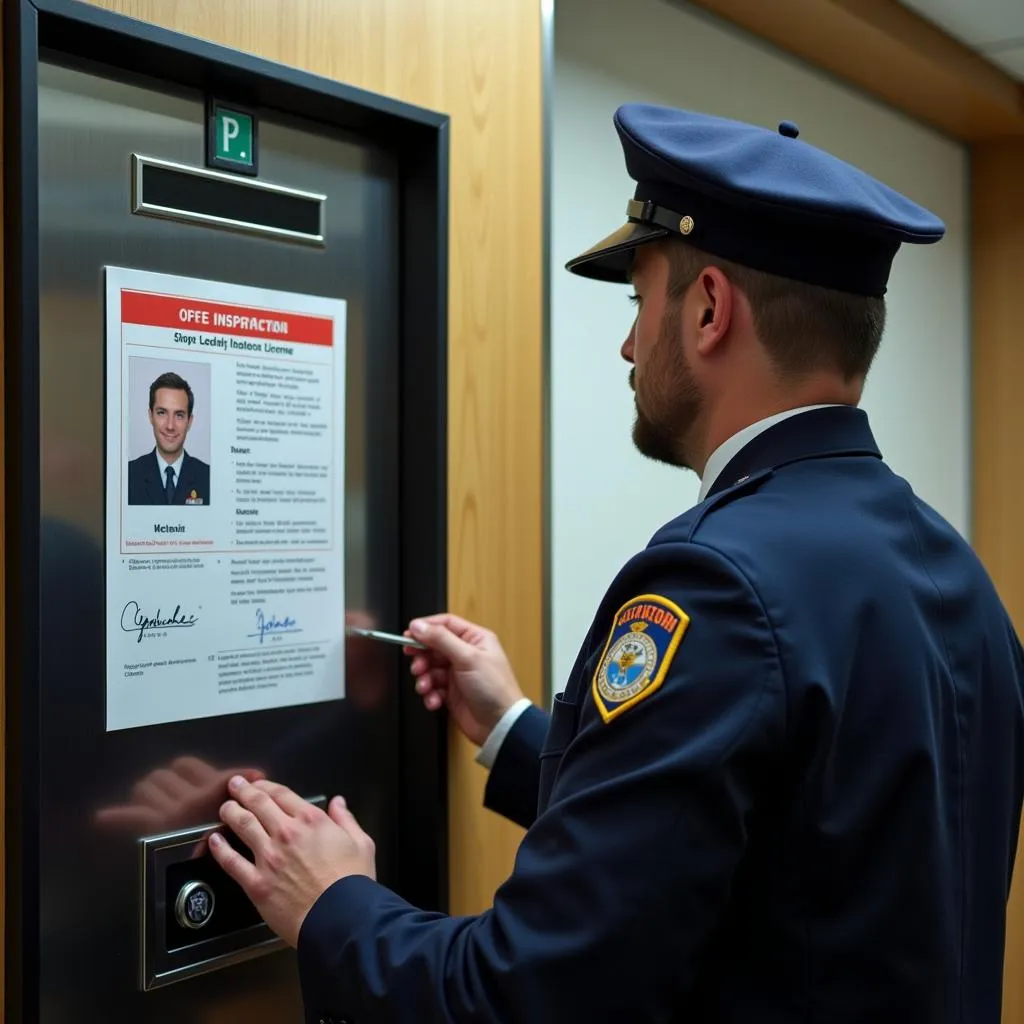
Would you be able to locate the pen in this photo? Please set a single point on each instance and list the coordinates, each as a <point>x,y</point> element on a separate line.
<point>389,638</point>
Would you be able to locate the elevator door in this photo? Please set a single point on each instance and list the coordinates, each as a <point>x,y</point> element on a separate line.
<point>90,125</point>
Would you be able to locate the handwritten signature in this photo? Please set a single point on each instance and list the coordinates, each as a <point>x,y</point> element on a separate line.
<point>273,625</point>
<point>133,619</point>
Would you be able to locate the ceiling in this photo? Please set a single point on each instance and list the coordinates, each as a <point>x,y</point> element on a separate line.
<point>995,28</point>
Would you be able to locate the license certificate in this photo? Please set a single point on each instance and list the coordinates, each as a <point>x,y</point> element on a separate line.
<point>225,416</point>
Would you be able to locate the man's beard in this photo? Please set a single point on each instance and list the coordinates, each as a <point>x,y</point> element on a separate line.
<point>663,431</point>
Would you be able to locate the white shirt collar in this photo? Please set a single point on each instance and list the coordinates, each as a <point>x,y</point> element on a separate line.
<point>175,465</point>
<point>725,452</point>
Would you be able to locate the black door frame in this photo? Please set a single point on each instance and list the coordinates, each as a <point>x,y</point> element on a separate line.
<point>419,141</point>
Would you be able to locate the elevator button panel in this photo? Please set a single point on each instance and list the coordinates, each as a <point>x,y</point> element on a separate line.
<point>194,918</point>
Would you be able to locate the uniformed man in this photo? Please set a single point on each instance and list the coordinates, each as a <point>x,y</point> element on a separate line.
<point>783,780</point>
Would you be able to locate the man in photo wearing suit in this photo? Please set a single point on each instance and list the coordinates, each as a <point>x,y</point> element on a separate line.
<point>168,475</point>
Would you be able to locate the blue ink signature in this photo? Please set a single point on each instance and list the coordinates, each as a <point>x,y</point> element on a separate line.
<point>140,622</point>
<point>273,625</point>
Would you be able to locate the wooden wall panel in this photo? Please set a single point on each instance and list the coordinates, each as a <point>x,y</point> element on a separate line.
<point>998,297</point>
<point>480,62</point>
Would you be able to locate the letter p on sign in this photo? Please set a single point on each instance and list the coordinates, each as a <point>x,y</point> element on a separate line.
<point>231,140</point>
<point>231,132</point>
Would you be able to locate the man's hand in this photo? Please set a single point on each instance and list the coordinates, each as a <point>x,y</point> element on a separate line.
<point>464,668</point>
<point>300,851</point>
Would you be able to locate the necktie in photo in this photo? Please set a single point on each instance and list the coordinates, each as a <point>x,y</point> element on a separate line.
<point>169,489</point>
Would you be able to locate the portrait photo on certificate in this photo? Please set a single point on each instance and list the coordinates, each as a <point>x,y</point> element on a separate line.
<point>168,432</point>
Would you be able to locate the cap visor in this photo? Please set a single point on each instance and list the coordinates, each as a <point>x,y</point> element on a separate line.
<point>612,258</point>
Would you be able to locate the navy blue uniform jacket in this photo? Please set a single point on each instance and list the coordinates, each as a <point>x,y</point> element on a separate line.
<point>809,812</point>
<point>146,487</point>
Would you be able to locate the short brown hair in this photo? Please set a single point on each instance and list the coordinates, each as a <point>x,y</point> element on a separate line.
<point>174,383</point>
<point>804,327</point>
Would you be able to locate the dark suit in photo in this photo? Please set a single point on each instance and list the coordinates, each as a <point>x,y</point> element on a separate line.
<point>146,487</point>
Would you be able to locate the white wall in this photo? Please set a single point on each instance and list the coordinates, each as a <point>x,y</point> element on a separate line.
<point>606,498</point>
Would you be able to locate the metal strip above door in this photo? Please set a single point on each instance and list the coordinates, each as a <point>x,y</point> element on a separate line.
<point>173,191</point>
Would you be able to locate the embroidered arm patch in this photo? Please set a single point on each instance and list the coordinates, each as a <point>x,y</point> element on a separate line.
<point>644,637</point>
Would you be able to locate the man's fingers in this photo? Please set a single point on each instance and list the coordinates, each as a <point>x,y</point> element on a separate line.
<point>427,686</point>
<point>287,799</point>
<point>246,826</point>
<point>270,814</point>
<point>333,808</point>
<point>455,623</point>
<point>245,873</point>
<point>434,679</point>
<point>249,774</point>
<point>440,638</point>
<point>341,815</point>
<point>202,774</point>
<point>423,662</point>
<point>432,686</point>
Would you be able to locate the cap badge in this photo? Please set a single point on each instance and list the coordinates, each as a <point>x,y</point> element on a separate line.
<point>686,225</point>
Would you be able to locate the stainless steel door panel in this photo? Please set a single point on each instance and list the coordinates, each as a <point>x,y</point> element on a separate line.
<point>89,129</point>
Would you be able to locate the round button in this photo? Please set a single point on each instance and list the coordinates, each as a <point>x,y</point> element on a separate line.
<point>194,906</point>
<point>789,130</point>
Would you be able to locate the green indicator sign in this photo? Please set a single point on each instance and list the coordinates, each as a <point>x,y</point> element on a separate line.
<point>231,139</point>
<point>234,137</point>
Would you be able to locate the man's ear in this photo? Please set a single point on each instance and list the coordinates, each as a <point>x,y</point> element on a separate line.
<point>715,298</point>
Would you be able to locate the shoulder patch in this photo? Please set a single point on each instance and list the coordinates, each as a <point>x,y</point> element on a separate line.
<point>645,634</point>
